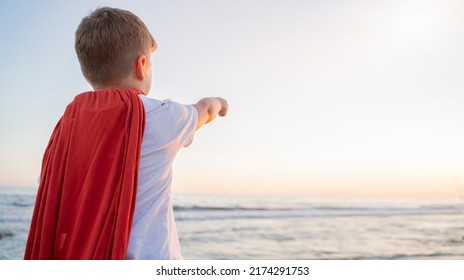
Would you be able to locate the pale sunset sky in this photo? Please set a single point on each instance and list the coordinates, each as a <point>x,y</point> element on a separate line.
<point>339,98</point>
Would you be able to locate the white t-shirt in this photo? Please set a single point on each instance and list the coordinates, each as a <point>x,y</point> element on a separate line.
<point>169,126</point>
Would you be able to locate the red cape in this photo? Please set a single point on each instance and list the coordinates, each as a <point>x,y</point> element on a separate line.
<point>88,184</point>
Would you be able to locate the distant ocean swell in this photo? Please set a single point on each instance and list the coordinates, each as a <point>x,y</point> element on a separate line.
<point>17,208</point>
<point>213,213</point>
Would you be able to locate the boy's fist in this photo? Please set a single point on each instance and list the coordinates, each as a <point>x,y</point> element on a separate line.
<point>224,107</point>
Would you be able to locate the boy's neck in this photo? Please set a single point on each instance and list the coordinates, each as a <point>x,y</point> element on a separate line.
<point>110,87</point>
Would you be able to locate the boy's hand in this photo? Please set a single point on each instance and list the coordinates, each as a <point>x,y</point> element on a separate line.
<point>209,108</point>
<point>225,107</point>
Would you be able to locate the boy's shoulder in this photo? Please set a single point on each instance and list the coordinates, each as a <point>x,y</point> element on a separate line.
<point>167,106</point>
<point>167,121</point>
<point>151,104</point>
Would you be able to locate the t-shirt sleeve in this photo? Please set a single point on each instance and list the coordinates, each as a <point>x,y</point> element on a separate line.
<point>187,119</point>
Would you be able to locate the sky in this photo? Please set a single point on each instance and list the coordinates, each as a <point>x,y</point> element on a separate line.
<point>327,98</point>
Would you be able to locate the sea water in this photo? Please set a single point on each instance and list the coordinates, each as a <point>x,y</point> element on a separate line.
<point>216,227</point>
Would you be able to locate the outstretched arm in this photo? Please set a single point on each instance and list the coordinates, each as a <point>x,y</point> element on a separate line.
<point>208,108</point>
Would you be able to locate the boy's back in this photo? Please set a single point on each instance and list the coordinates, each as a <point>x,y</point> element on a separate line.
<point>169,126</point>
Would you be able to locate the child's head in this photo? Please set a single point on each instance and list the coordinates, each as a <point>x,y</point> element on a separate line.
<point>110,45</point>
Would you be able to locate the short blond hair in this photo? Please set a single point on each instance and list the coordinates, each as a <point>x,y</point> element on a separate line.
<point>108,42</point>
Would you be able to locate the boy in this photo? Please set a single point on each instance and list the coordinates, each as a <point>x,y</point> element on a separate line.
<point>105,185</point>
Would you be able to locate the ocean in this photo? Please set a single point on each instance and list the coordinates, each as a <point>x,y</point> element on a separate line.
<point>227,227</point>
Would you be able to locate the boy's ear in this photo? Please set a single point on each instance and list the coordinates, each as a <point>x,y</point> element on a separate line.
<point>140,67</point>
